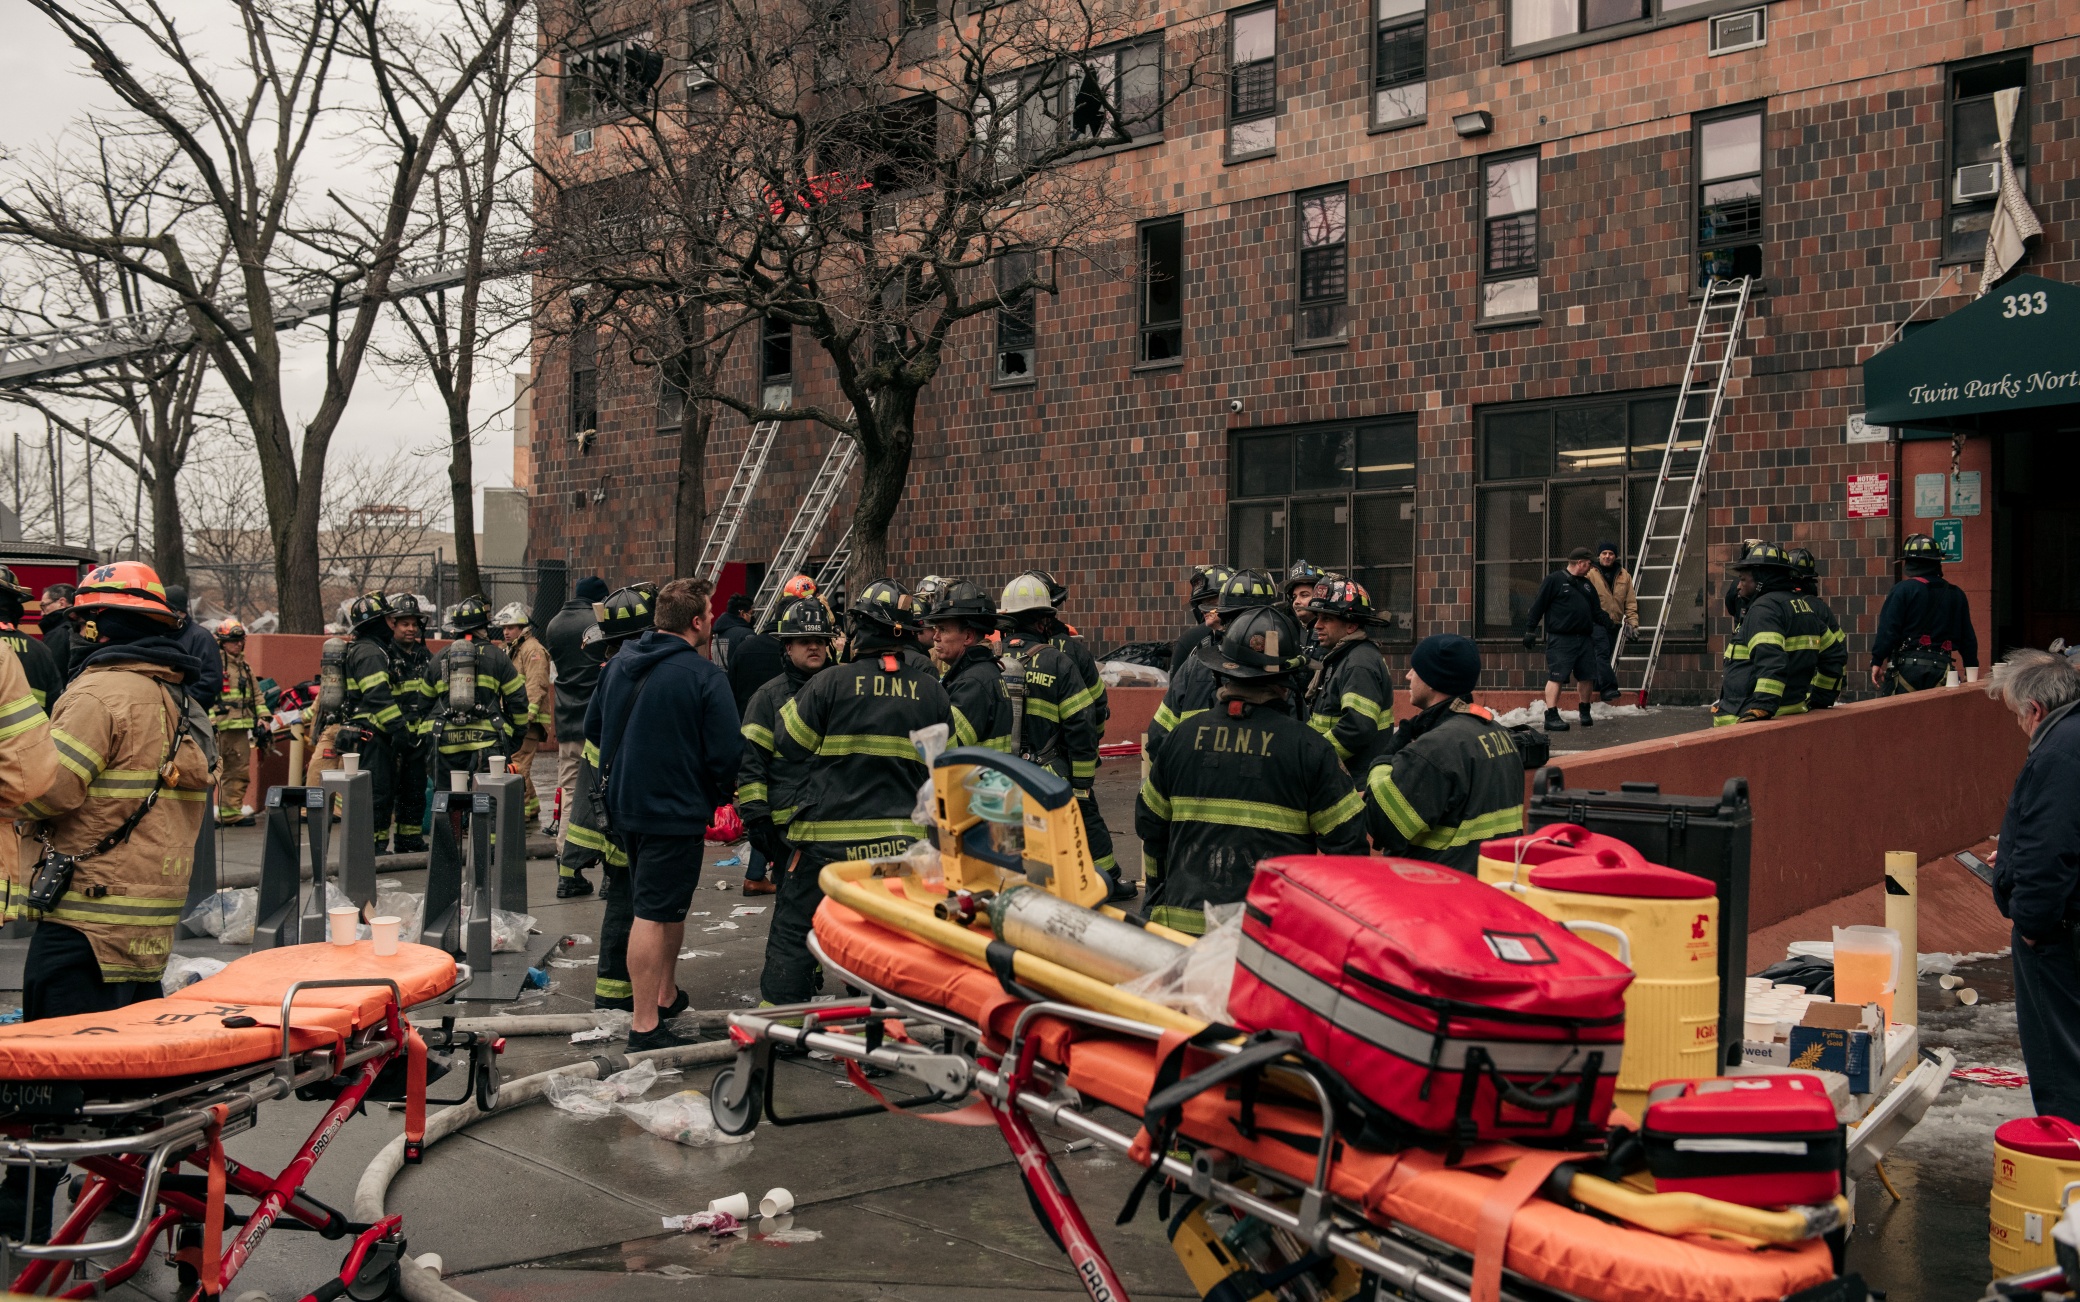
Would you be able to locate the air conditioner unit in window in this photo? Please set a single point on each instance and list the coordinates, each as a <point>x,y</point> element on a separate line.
<point>1738,31</point>
<point>581,141</point>
<point>1976,181</point>
<point>699,77</point>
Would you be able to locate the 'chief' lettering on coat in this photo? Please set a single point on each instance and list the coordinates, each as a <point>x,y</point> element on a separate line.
<point>1224,740</point>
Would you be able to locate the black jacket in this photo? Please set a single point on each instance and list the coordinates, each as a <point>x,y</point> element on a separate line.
<point>1568,605</point>
<point>1060,728</point>
<point>1186,643</point>
<point>1351,701</point>
<point>1234,785</point>
<point>1450,779</point>
<point>1925,607</point>
<point>199,642</point>
<point>1775,655</point>
<point>981,706</point>
<point>57,639</point>
<point>45,681</point>
<point>2036,880</point>
<point>670,753</point>
<point>730,630</point>
<point>754,662</point>
<point>576,676</point>
<point>850,728</point>
<point>768,788</point>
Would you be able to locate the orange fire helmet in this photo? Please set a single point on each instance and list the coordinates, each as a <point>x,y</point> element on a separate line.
<point>124,585</point>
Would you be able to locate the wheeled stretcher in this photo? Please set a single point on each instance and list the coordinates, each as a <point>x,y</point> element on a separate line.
<point>1505,1221</point>
<point>141,1100</point>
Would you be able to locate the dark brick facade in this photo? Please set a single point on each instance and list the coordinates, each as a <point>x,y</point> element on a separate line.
<point>1116,476</point>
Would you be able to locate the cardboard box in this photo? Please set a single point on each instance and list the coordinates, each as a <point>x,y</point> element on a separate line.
<point>1827,1048</point>
<point>1766,1053</point>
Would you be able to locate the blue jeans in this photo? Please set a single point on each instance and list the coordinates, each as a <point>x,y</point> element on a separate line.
<point>757,870</point>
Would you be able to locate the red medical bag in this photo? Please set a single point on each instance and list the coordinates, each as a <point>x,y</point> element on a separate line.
<point>1761,1141</point>
<point>1441,1000</point>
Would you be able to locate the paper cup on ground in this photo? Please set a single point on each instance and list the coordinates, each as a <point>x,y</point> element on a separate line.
<point>342,924</point>
<point>777,1202</point>
<point>386,933</point>
<point>737,1205</point>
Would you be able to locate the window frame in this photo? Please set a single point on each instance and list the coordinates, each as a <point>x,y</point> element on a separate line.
<point>767,335</point>
<point>1637,469</point>
<point>1229,120</point>
<point>1374,86</point>
<point>584,392</point>
<point>1536,275</point>
<point>1021,312</point>
<point>597,114</point>
<point>1342,298</point>
<point>1044,95</point>
<point>1143,284</point>
<point>2019,144</point>
<point>1661,16</point>
<point>696,74</point>
<point>1292,498</point>
<point>1759,110</point>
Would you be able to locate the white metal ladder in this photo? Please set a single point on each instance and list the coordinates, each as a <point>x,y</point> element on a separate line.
<point>729,517</point>
<point>834,565</point>
<point>1679,489</point>
<point>808,524</point>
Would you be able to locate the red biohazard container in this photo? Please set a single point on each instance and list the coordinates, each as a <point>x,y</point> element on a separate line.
<point>1760,1141</point>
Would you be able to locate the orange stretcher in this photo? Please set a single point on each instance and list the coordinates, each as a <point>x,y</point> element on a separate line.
<point>1505,1222</point>
<point>131,1096</point>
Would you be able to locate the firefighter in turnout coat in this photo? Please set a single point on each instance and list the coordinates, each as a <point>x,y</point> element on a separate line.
<point>370,722</point>
<point>1063,637</point>
<point>531,658</point>
<point>1192,683</point>
<point>587,840</point>
<point>849,730</point>
<point>1771,661</point>
<point>1450,777</point>
<point>466,736</point>
<point>961,621</point>
<point>1242,782</point>
<point>1351,701</point>
<point>769,789</point>
<point>234,720</point>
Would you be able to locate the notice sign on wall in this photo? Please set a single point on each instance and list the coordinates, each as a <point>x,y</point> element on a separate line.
<point>1870,496</point>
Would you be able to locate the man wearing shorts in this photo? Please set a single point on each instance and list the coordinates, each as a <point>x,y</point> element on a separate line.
<point>1568,607</point>
<point>666,727</point>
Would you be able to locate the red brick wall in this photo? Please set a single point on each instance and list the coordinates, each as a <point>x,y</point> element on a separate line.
<point>1115,477</point>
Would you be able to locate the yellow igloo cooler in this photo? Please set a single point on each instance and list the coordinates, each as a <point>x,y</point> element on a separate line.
<point>2033,1159</point>
<point>1670,924</point>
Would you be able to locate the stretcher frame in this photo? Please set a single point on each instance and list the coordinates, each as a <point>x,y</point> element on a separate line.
<point>1019,1089</point>
<point>187,1124</point>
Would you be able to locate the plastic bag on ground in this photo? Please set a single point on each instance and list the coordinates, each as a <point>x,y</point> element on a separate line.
<point>509,931</point>
<point>683,1118</point>
<point>1197,981</point>
<point>607,1024</point>
<point>183,971</point>
<point>596,1098</point>
<point>227,915</point>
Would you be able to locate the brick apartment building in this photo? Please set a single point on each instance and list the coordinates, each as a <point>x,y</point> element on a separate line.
<point>1422,284</point>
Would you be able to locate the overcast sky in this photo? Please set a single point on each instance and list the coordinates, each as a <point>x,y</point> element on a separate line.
<point>42,95</point>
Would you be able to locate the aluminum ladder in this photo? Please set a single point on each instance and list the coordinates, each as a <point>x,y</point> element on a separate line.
<point>1679,489</point>
<point>808,524</point>
<point>833,571</point>
<point>729,517</point>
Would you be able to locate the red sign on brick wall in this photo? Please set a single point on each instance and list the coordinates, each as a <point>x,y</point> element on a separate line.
<point>1870,496</point>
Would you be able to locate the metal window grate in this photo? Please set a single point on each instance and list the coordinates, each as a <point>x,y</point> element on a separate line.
<point>1512,243</point>
<point>1402,55</point>
<point>1253,91</point>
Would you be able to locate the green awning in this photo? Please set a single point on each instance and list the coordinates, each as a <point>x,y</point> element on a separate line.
<point>2000,361</point>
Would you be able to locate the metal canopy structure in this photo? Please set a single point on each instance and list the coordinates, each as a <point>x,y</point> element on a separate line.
<point>2009,360</point>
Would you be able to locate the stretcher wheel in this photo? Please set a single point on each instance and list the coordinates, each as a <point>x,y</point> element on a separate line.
<point>735,1100</point>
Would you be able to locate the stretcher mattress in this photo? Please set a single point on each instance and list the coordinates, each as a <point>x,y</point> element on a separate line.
<point>1550,1244</point>
<point>185,1035</point>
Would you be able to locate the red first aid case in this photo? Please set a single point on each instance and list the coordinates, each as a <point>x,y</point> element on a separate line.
<point>1761,1141</point>
<point>1445,1002</point>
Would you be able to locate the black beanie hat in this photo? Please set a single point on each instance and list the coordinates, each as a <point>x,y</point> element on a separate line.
<point>592,588</point>
<point>1448,663</point>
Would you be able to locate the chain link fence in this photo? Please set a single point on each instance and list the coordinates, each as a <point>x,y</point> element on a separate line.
<point>247,589</point>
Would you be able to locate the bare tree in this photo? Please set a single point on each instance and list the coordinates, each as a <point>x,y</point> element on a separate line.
<point>243,127</point>
<point>380,519</point>
<point>228,546</point>
<point>159,397</point>
<point>867,176</point>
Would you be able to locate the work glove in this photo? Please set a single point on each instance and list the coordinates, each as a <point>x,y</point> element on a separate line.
<point>1756,716</point>
<point>1530,639</point>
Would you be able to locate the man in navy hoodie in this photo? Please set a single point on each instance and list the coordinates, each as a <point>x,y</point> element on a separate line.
<point>666,727</point>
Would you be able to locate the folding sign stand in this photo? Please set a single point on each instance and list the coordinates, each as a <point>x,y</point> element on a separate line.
<point>477,860</point>
<point>202,871</point>
<point>292,910</point>
<point>357,833</point>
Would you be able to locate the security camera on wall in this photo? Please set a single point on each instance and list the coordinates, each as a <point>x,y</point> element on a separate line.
<point>1235,405</point>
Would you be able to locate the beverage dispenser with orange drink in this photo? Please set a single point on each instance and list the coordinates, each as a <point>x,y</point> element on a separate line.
<point>1866,966</point>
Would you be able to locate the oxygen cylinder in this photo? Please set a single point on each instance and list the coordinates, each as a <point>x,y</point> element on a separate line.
<point>459,666</point>
<point>1015,684</point>
<point>1082,940</point>
<point>332,678</point>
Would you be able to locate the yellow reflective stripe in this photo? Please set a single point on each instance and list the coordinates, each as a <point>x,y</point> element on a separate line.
<point>76,755</point>
<point>1768,687</point>
<point>1790,710</point>
<point>388,714</point>
<point>117,910</point>
<point>1189,921</point>
<point>804,736</point>
<point>1399,812</point>
<point>380,678</point>
<point>608,988</point>
<point>858,829</point>
<point>1826,682</point>
<point>867,743</point>
<point>963,731</point>
<point>591,754</point>
<point>1804,642</point>
<point>1158,803</point>
<point>20,715</point>
<point>1724,720</point>
<point>1363,704</point>
<point>1083,768</point>
<point>586,838</point>
<point>1336,815</point>
<point>1487,827</point>
<point>751,791</point>
<point>1084,699</point>
<point>175,793</point>
<point>758,735</point>
<point>1239,813</point>
<point>1002,744</point>
<point>1165,717</point>
<point>1765,639</point>
<point>1039,709</point>
<point>782,817</point>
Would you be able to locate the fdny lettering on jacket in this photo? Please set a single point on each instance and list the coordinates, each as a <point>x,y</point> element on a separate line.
<point>1497,744</point>
<point>897,687</point>
<point>1225,740</point>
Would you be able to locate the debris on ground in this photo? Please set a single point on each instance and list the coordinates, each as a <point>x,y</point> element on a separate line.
<point>509,931</point>
<point>684,1118</point>
<point>790,1236</point>
<point>607,1024</point>
<point>1999,1077</point>
<point>184,971</point>
<point>1535,712</point>
<point>584,1097</point>
<point>715,1223</point>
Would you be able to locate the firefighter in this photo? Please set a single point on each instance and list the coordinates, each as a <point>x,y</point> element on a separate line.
<point>54,617</point>
<point>234,718</point>
<point>1191,683</point>
<point>1084,773</point>
<point>27,764</point>
<point>46,676</point>
<point>1241,782</point>
<point>961,621</point>
<point>849,731</point>
<point>1736,604</point>
<point>531,658</point>
<point>1925,620</point>
<point>119,822</point>
<point>587,838</point>
<point>480,699</point>
<point>1774,654</point>
<point>1351,699</point>
<point>411,683</point>
<point>1449,777</point>
<point>367,720</point>
<point>1833,667</point>
<point>924,599</point>
<point>1205,581</point>
<point>1303,580</point>
<point>768,789</point>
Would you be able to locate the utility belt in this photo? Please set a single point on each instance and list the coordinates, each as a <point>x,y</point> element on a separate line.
<point>1922,666</point>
